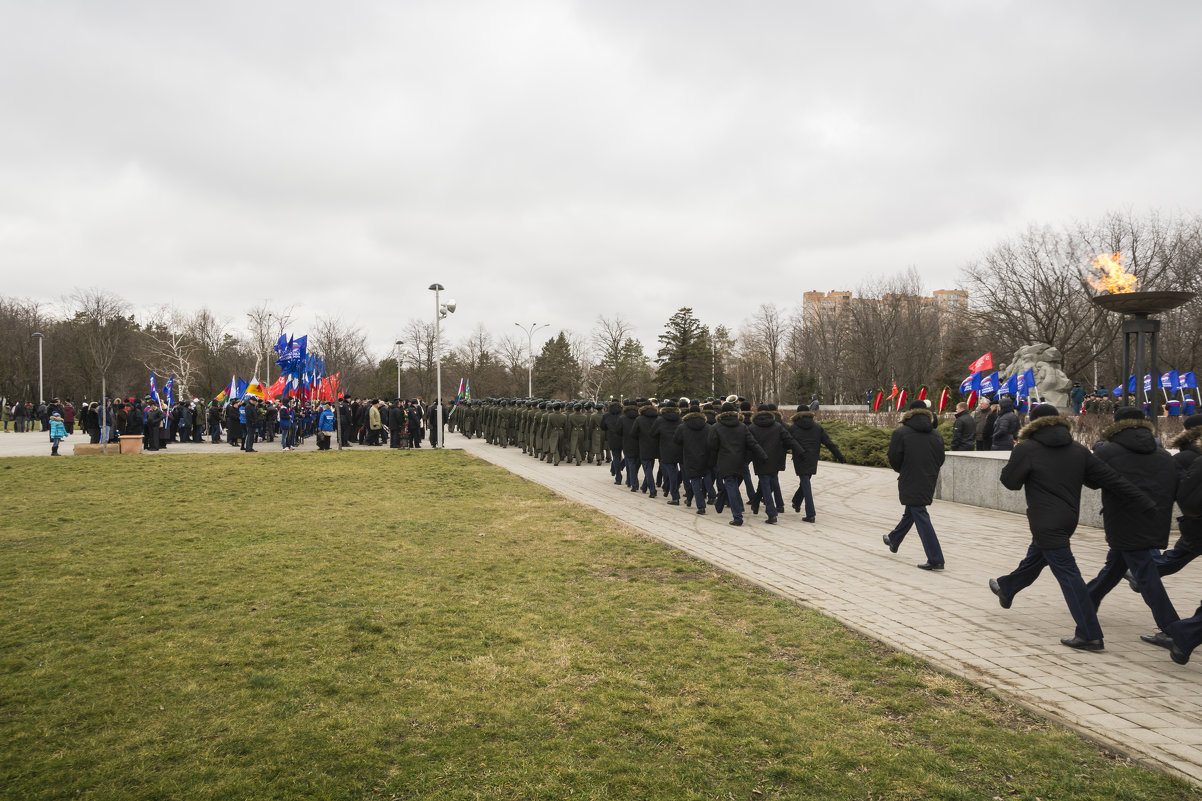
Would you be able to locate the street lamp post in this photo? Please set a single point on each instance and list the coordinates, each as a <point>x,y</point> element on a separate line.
<point>41,392</point>
<point>441,310</point>
<point>398,344</point>
<point>530,354</point>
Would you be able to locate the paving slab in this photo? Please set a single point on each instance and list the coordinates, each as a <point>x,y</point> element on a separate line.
<point>1131,698</point>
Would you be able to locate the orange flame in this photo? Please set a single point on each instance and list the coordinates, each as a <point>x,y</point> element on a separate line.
<point>1114,278</point>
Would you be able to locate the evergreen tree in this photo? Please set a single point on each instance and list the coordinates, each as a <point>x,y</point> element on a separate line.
<point>685,358</point>
<point>556,371</point>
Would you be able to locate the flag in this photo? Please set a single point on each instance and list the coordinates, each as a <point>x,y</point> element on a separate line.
<point>170,389</point>
<point>990,385</point>
<point>276,389</point>
<point>1170,380</point>
<point>1026,382</point>
<point>901,399</point>
<point>230,390</point>
<point>971,400</point>
<point>281,346</point>
<point>254,389</point>
<point>467,390</point>
<point>1147,383</point>
<point>1011,386</point>
<point>154,392</point>
<point>943,395</point>
<point>922,392</point>
<point>971,384</point>
<point>459,393</point>
<point>893,394</point>
<point>982,364</point>
<point>878,399</point>
<point>1188,381</point>
<point>1117,391</point>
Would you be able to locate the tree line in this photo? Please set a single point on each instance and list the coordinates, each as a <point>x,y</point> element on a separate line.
<point>1029,288</point>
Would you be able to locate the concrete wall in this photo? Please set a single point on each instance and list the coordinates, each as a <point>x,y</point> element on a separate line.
<point>974,478</point>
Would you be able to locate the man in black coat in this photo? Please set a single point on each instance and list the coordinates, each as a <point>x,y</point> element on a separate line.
<point>776,441</point>
<point>964,430</point>
<point>1135,537</point>
<point>810,438</point>
<point>1005,427</point>
<point>731,447</point>
<point>1050,467</point>
<point>630,442</point>
<point>692,438</point>
<point>916,454</point>
<point>648,448</point>
<point>611,424</point>
<point>663,431</point>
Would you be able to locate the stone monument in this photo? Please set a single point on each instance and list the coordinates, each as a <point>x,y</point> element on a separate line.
<point>1050,381</point>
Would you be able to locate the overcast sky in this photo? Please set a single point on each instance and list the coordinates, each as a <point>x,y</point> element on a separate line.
<point>550,161</point>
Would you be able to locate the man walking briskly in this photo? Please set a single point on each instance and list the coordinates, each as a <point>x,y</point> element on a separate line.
<point>916,454</point>
<point>1050,467</point>
<point>810,438</point>
<point>731,447</point>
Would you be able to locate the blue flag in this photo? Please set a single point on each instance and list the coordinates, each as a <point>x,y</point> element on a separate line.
<point>1188,381</point>
<point>1148,383</point>
<point>1117,391</point>
<point>971,384</point>
<point>1011,387</point>
<point>1170,380</point>
<point>154,392</point>
<point>990,385</point>
<point>170,389</point>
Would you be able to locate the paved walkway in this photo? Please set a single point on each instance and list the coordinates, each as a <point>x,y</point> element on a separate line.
<point>1130,697</point>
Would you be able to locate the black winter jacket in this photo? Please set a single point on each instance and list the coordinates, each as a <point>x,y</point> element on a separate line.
<point>1051,468</point>
<point>630,437</point>
<point>663,431</point>
<point>916,453</point>
<point>611,424</point>
<point>731,445</point>
<point>1005,428</point>
<point>648,447</point>
<point>810,437</point>
<point>1130,448</point>
<point>964,432</point>
<point>775,439</point>
<point>692,437</point>
<point>1189,443</point>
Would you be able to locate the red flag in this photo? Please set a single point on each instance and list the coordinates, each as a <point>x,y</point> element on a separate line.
<point>922,392</point>
<point>982,364</point>
<point>893,394</point>
<point>276,389</point>
<point>901,399</point>
<point>878,400</point>
<point>943,396</point>
<point>972,399</point>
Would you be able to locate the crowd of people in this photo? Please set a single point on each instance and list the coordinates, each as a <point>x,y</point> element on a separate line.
<point>705,452</point>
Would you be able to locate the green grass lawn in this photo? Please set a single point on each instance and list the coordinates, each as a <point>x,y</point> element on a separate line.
<point>423,625</point>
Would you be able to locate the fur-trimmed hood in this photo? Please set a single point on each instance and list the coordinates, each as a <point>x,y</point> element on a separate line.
<point>919,419</point>
<point>694,420</point>
<point>648,411</point>
<point>729,418</point>
<point>1042,430</point>
<point>1135,435</point>
<point>804,419</point>
<point>1189,439</point>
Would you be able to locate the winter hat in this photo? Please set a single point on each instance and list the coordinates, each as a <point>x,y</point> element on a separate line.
<point>1129,413</point>
<point>729,406</point>
<point>1193,421</point>
<point>917,405</point>
<point>1044,410</point>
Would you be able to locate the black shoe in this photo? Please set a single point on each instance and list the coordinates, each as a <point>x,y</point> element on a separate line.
<point>617,479</point>
<point>1177,655</point>
<point>1131,582</point>
<point>735,523</point>
<point>889,542</point>
<point>700,511</point>
<point>931,566</point>
<point>1159,638</point>
<point>807,520</point>
<point>653,494</point>
<point>688,502</point>
<point>1082,644</point>
<point>719,506</point>
<point>771,521</point>
<point>634,489</point>
<point>797,508</point>
<point>1002,598</point>
<point>673,503</point>
<point>755,507</point>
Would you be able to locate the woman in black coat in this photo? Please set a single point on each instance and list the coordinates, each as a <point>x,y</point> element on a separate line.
<point>810,438</point>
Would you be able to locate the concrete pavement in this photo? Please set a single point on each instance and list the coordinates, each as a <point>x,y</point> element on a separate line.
<point>1130,697</point>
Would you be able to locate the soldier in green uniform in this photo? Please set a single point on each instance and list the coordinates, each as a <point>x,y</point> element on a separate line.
<point>578,433</point>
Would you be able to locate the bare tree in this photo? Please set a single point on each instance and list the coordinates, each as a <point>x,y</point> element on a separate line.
<point>266,325</point>
<point>169,346</point>
<point>19,321</point>
<point>342,346</point>
<point>210,335</point>
<point>512,351</point>
<point>419,338</point>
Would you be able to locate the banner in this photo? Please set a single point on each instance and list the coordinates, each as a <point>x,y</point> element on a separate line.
<point>982,364</point>
<point>989,385</point>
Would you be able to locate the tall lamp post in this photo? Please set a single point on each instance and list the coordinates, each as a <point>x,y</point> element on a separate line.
<point>530,354</point>
<point>41,393</point>
<point>441,310</point>
<point>398,344</point>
